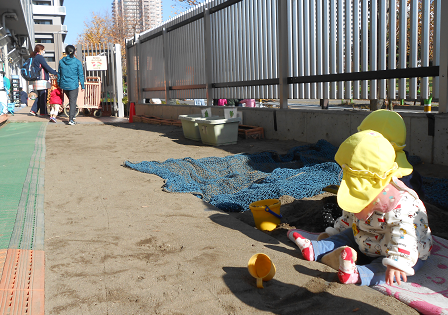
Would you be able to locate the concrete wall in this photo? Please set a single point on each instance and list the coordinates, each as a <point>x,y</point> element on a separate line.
<point>333,126</point>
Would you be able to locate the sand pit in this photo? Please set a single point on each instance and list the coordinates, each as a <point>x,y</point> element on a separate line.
<point>115,243</point>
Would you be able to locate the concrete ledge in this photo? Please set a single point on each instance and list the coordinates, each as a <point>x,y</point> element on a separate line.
<point>427,134</point>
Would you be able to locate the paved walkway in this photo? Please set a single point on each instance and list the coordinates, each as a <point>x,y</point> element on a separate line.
<point>22,162</point>
<point>22,115</point>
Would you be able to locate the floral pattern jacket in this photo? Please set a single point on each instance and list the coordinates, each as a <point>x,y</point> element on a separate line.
<point>397,229</point>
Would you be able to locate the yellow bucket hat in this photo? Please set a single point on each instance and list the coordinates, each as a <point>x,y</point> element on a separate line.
<point>368,164</point>
<point>391,125</point>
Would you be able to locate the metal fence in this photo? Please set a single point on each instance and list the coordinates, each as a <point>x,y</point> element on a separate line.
<point>300,49</point>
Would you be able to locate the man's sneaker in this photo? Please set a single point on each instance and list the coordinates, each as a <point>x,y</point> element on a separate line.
<point>71,122</point>
<point>32,113</point>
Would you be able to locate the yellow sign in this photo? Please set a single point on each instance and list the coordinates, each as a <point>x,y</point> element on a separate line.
<point>96,63</point>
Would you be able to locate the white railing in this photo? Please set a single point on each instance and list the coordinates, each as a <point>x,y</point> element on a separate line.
<point>301,49</point>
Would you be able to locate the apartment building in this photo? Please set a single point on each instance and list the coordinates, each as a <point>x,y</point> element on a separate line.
<point>16,37</point>
<point>139,15</point>
<point>49,28</point>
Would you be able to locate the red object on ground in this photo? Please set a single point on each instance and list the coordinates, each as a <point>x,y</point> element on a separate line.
<point>131,112</point>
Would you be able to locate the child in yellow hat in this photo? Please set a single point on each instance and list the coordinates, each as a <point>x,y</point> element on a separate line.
<point>387,224</point>
<point>391,125</point>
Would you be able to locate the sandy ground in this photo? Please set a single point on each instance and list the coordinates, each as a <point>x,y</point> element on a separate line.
<point>115,243</point>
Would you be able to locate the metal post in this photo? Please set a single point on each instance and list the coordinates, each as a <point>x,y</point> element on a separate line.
<point>6,62</point>
<point>282,20</point>
<point>436,48</point>
<point>424,85</point>
<point>166,58</point>
<point>443,72</point>
<point>373,48</point>
<point>119,75</point>
<point>79,54</point>
<point>208,57</point>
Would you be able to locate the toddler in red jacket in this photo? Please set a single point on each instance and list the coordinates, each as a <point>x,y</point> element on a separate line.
<point>56,98</point>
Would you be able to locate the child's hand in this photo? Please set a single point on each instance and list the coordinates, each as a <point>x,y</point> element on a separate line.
<point>392,272</point>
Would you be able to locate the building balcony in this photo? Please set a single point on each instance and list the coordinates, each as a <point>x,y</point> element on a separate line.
<point>49,10</point>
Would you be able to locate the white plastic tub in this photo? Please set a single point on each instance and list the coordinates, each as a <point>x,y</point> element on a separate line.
<point>190,126</point>
<point>218,130</point>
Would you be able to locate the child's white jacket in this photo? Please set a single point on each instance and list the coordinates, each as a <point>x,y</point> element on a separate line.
<point>401,233</point>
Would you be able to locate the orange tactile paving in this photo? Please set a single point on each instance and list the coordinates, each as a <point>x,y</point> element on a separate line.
<point>22,283</point>
<point>2,260</point>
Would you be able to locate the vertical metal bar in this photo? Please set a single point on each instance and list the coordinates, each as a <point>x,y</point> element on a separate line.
<point>274,7</point>
<point>232,47</point>
<point>103,76</point>
<point>424,86</point>
<point>340,43</point>
<point>443,72</point>
<point>269,45</point>
<point>312,46</point>
<point>255,46</point>
<point>319,47</point>
<point>262,46</point>
<point>283,52</point>
<point>119,74</point>
<point>208,57</point>
<point>373,47</point>
<point>392,90</point>
<point>403,47</point>
<point>114,83</point>
<point>218,53</point>
<point>225,49</point>
<point>364,47</point>
<point>214,53</point>
<point>236,49</point>
<point>333,89</point>
<point>325,48</point>
<point>291,34</point>
<point>250,59</point>
<point>139,72</point>
<point>193,33</point>
<point>348,46</point>
<point>166,59</point>
<point>245,53</point>
<point>294,48</point>
<point>356,60</point>
<point>301,52</point>
<point>306,34</point>
<point>413,48</point>
<point>436,48</point>
<point>382,47</point>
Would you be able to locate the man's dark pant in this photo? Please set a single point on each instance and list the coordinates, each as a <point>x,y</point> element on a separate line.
<point>72,96</point>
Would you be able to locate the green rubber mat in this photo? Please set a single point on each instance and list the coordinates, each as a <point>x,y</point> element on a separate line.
<point>22,157</point>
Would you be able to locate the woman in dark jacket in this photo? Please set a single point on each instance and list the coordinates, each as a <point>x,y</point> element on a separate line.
<point>40,104</point>
<point>70,75</point>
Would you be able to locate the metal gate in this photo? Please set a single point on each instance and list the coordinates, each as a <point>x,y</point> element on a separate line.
<point>111,96</point>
